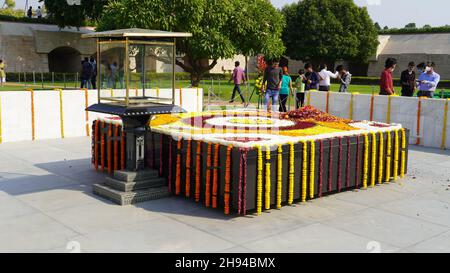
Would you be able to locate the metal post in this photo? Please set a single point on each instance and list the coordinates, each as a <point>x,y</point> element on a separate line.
<point>174,52</point>
<point>19,77</point>
<point>99,82</point>
<point>34,77</point>
<point>127,67</point>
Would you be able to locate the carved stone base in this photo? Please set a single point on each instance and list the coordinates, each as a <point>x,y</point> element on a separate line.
<point>126,188</point>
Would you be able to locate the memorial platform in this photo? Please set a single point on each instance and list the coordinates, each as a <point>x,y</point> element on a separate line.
<point>46,205</point>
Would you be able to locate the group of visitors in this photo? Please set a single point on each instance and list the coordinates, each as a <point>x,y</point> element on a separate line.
<point>278,84</point>
<point>425,84</point>
<point>38,12</point>
<point>89,73</point>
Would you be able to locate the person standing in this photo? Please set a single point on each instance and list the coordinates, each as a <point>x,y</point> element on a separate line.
<point>421,68</point>
<point>311,79</point>
<point>386,81</point>
<point>272,76</point>
<point>238,77</point>
<point>325,78</point>
<point>30,12</point>
<point>286,89</point>
<point>94,72</point>
<point>300,89</point>
<point>39,12</point>
<point>428,82</point>
<point>408,80</point>
<point>86,73</point>
<point>2,73</point>
<point>344,77</point>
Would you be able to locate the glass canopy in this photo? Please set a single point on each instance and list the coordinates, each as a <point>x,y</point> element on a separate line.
<point>136,64</point>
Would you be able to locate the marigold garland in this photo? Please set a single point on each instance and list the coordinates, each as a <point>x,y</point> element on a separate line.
<point>340,165</point>
<point>226,196</point>
<point>328,102</point>
<point>291,173</point>
<point>178,170</point>
<point>109,148</point>
<point>419,114</point>
<point>268,178</point>
<point>215,175</point>
<point>122,149</point>
<point>208,176</point>
<point>403,165</point>
<point>321,168</point>
<point>358,163</point>
<point>102,147</point>
<point>244,192</point>
<point>330,165</point>
<point>388,113</point>
<point>188,170</point>
<point>312,169</point>
<point>170,164</point>
<point>116,147</point>
<point>198,170</point>
<point>388,157</point>
<point>241,162</point>
<point>366,161</point>
<point>396,154</point>
<point>279,176</point>
<point>259,183</point>
<point>96,134</point>
<point>374,160</point>
<point>444,126</point>
<point>380,161</point>
<point>372,103</point>
<point>161,144</point>
<point>347,167</point>
<point>304,171</point>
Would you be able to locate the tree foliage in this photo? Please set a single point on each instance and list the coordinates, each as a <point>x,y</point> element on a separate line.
<point>10,4</point>
<point>329,30</point>
<point>377,26</point>
<point>220,28</point>
<point>64,14</point>
<point>411,25</point>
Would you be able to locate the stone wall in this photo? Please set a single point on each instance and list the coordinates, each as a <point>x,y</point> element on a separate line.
<point>442,64</point>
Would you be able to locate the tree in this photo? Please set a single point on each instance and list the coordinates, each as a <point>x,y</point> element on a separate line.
<point>221,29</point>
<point>411,25</point>
<point>426,26</point>
<point>64,14</point>
<point>386,28</point>
<point>10,4</point>
<point>329,30</point>
<point>377,26</point>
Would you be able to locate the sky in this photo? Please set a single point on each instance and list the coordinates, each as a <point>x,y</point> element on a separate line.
<point>393,13</point>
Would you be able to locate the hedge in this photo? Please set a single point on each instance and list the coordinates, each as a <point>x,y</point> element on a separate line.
<point>183,76</point>
<point>444,29</point>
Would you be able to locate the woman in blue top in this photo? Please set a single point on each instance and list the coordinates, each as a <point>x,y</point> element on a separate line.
<point>285,90</point>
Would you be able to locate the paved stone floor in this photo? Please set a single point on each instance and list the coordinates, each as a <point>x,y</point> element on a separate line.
<point>46,205</point>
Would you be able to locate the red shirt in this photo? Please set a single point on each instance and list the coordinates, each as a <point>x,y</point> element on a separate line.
<point>386,83</point>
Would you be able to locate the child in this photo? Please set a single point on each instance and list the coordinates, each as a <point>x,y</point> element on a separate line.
<point>300,89</point>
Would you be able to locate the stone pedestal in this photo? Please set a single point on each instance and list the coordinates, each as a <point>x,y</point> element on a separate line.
<point>126,188</point>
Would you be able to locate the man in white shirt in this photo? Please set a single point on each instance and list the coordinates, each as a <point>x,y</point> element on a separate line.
<point>325,78</point>
<point>39,13</point>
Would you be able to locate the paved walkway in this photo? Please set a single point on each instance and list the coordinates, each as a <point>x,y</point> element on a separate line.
<point>46,205</point>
